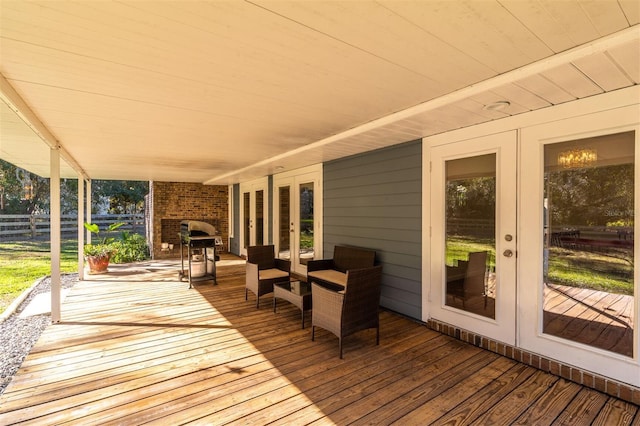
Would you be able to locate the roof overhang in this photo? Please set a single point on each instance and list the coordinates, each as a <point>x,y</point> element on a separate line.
<point>224,92</point>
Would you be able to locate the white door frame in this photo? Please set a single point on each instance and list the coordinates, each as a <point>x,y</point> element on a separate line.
<point>252,187</point>
<point>504,145</point>
<point>293,179</point>
<point>530,300</point>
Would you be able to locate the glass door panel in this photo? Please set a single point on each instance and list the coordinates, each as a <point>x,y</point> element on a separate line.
<point>259,218</point>
<point>284,222</point>
<point>588,250</point>
<point>306,230</point>
<point>470,244</point>
<point>246,219</point>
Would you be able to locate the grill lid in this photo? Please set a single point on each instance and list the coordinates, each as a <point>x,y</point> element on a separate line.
<point>195,228</point>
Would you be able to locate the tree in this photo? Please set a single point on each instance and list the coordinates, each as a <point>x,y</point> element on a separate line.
<point>68,196</point>
<point>125,197</point>
<point>471,198</point>
<point>591,196</point>
<point>22,192</point>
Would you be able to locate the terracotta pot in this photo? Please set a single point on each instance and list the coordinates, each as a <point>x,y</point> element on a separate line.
<point>98,264</point>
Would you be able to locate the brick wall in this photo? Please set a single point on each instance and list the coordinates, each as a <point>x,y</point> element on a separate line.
<point>176,201</point>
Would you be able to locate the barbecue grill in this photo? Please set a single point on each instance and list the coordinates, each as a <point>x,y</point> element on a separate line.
<point>200,240</point>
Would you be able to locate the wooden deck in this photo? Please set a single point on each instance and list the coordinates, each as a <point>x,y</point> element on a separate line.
<point>136,346</point>
<point>600,319</point>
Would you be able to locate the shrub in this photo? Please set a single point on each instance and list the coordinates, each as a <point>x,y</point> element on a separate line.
<point>104,246</point>
<point>130,248</point>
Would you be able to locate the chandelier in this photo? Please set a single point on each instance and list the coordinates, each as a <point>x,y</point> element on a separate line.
<point>579,157</point>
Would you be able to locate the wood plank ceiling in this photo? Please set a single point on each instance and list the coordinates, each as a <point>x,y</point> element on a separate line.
<point>221,92</point>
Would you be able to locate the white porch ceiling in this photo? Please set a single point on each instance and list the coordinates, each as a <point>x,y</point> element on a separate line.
<point>225,91</point>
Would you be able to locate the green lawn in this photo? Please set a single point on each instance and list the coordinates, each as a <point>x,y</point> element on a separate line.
<point>458,248</point>
<point>592,270</point>
<point>612,272</point>
<point>22,263</point>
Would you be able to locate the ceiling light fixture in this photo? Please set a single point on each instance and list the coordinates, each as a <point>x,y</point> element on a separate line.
<point>579,157</point>
<point>497,106</point>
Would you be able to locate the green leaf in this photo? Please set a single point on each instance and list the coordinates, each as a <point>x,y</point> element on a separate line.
<point>115,226</point>
<point>92,227</point>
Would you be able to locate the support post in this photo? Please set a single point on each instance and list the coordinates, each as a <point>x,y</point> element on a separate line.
<point>88,234</point>
<point>54,190</point>
<point>81,207</point>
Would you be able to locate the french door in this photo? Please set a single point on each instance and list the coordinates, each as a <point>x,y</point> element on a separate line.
<point>473,235</point>
<point>254,216</point>
<point>297,216</point>
<point>578,299</point>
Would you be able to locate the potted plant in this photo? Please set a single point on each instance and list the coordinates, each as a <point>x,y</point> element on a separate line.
<point>98,254</point>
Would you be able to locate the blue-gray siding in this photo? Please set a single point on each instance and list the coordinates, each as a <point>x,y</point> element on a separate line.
<point>374,200</point>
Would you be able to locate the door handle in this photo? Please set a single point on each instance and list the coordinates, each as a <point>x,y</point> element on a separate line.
<point>507,253</point>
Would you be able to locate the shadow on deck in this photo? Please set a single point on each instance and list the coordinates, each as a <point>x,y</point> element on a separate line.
<point>137,346</point>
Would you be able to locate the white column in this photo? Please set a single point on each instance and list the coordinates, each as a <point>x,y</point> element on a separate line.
<point>54,190</point>
<point>81,206</point>
<point>88,234</point>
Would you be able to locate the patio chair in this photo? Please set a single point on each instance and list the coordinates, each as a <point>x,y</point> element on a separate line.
<point>332,273</point>
<point>474,283</point>
<point>264,270</point>
<point>353,309</point>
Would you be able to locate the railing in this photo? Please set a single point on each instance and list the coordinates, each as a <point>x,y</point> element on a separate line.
<point>471,226</point>
<point>18,226</point>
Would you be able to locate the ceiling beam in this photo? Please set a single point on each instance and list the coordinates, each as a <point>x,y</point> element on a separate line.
<point>15,102</point>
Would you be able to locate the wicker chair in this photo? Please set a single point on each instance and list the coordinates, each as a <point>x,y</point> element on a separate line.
<point>475,282</point>
<point>332,272</point>
<point>264,270</point>
<point>355,308</point>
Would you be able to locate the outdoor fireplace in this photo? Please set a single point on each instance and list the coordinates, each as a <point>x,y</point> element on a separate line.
<point>172,202</point>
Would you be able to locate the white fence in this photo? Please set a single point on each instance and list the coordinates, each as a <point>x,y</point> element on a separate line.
<point>20,227</point>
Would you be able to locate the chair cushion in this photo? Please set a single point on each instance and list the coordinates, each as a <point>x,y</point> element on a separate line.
<point>269,274</point>
<point>330,275</point>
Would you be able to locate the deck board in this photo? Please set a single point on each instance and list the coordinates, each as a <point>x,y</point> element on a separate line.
<point>551,404</point>
<point>583,409</point>
<point>136,346</point>
<point>600,319</point>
